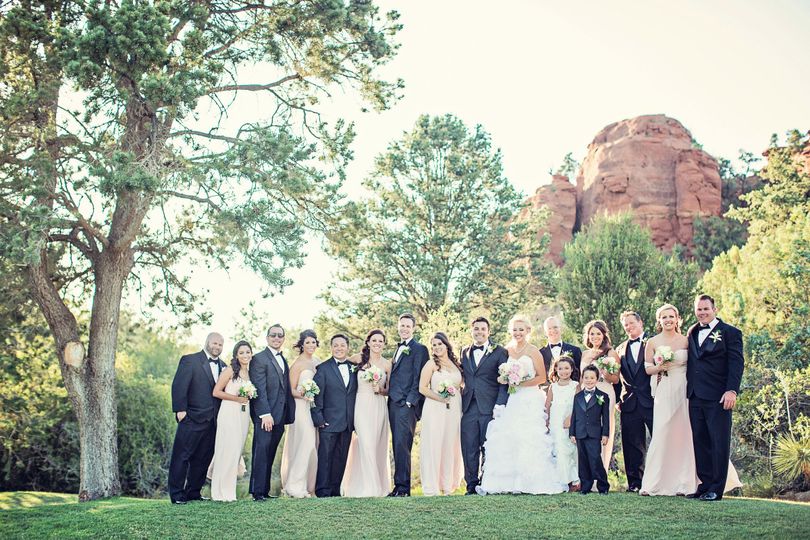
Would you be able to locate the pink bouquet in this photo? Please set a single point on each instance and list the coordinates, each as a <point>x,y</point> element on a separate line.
<point>447,390</point>
<point>663,354</point>
<point>512,373</point>
<point>607,364</point>
<point>372,374</point>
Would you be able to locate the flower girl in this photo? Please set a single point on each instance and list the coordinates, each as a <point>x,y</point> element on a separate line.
<point>559,404</point>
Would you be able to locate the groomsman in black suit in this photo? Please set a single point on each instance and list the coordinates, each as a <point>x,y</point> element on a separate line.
<point>590,427</point>
<point>635,401</point>
<point>195,410</point>
<point>405,401</point>
<point>270,411</point>
<point>555,347</point>
<point>713,374</point>
<point>333,415</point>
<point>481,395</point>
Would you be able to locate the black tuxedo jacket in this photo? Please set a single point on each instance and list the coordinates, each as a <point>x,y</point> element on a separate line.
<point>633,378</point>
<point>273,388</point>
<point>590,419</point>
<point>193,387</point>
<point>548,358</point>
<point>482,383</point>
<point>403,385</point>
<point>334,405</point>
<point>717,366</point>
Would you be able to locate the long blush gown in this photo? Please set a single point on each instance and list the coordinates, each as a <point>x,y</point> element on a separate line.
<point>232,430</point>
<point>299,460</point>
<point>670,468</point>
<point>440,464</point>
<point>368,470</point>
<point>606,387</point>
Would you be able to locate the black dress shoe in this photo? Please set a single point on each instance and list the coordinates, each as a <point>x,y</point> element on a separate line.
<point>259,498</point>
<point>603,493</point>
<point>200,498</point>
<point>393,494</point>
<point>471,493</point>
<point>695,495</point>
<point>584,492</point>
<point>709,496</point>
<point>633,489</point>
<point>179,502</point>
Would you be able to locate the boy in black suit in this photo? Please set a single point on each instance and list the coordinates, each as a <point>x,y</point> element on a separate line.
<point>590,426</point>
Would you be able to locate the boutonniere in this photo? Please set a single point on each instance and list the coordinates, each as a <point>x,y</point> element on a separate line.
<point>716,336</point>
<point>489,349</point>
<point>645,339</point>
<point>352,368</point>
<point>405,350</point>
<point>600,400</point>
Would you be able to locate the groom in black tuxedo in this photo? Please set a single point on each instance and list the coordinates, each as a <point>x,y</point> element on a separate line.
<point>195,410</point>
<point>713,374</point>
<point>635,401</point>
<point>481,394</point>
<point>405,401</point>
<point>333,415</point>
<point>555,346</point>
<point>270,411</point>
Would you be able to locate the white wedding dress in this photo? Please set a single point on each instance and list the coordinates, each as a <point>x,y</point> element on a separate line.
<point>518,452</point>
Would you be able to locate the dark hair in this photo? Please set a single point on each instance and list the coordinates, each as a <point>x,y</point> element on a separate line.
<point>408,316</point>
<point>365,353</point>
<point>570,361</point>
<point>700,297</point>
<point>276,326</point>
<point>341,336</point>
<point>629,313</point>
<point>235,365</point>
<point>441,336</point>
<point>602,327</point>
<point>302,337</point>
<point>591,367</point>
<point>480,319</point>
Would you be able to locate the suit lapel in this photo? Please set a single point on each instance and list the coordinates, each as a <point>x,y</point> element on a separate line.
<point>336,370</point>
<point>207,368</point>
<point>582,403</point>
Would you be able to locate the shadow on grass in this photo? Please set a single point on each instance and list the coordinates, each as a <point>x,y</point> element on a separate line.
<point>29,499</point>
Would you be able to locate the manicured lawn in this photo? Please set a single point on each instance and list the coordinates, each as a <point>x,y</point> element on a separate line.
<point>49,515</point>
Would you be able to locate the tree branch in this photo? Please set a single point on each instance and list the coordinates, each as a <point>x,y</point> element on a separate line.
<point>254,87</point>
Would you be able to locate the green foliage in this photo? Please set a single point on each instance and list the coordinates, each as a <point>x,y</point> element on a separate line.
<point>612,266</point>
<point>792,457</point>
<point>441,227</point>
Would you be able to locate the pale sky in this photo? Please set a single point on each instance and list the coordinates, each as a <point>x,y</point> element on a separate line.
<point>544,77</point>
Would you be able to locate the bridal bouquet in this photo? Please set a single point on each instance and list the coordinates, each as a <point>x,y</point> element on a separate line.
<point>372,374</point>
<point>607,364</point>
<point>662,355</point>
<point>249,391</point>
<point>447,389</point>
<point>309,389</point>
<point>512,373</point>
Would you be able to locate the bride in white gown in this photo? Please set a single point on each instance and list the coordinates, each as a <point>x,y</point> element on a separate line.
<point>518,451</point>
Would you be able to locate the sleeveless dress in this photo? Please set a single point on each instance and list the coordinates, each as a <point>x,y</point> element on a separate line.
<point>564,450</point>
<point>232,431</point>
<point>519,451</point>
<point>606,387</point>
<point>368,471</point>
<point>299,460</point>
<point>670,468</point>
<point>440,464</point>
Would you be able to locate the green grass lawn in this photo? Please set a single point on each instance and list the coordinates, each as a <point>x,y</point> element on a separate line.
<point>50,515</point>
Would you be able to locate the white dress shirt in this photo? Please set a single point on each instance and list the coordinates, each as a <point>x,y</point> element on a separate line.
<point>279,360</point>
<point>343,367</point>
<point>478,354</point>
<point>636,347</point>
<point>556,349</point>
<point>704,333</point>
<point>399,350</point>
<point>214,368</point>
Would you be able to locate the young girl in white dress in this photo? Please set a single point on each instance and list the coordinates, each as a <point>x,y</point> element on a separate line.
<point>559,404</point>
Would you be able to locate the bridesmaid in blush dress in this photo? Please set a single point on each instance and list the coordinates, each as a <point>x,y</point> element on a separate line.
<point>440,461</point>
<point>670,468</point>
<point>597,340</point>
<point>232,425</point>
<point>368,470</point>
<point>299,460</point>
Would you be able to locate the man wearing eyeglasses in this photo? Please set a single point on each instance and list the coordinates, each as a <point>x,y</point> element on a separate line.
<point>270,411</point>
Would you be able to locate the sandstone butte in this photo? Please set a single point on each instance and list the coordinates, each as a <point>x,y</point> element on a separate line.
<point>648,165</point>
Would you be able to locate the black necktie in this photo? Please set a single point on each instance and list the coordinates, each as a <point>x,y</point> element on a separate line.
<point>478,348</point>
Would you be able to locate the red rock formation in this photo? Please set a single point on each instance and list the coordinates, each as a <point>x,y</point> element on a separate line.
<point>650,166</point>
<point>561,198</point>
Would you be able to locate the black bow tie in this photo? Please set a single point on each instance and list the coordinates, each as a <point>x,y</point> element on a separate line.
<point>637,340</point>
<point>341,362</point>
<point>705,327</point>
<point>214,361</point>
<point>550,346</point>
<point>589,392</point>
<point>478,348</point>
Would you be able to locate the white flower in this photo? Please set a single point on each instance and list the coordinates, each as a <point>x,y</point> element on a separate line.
<point>716,336</point>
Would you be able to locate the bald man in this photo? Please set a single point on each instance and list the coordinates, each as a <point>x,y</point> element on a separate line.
<point>195,409</point>
<point>555,347</point>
